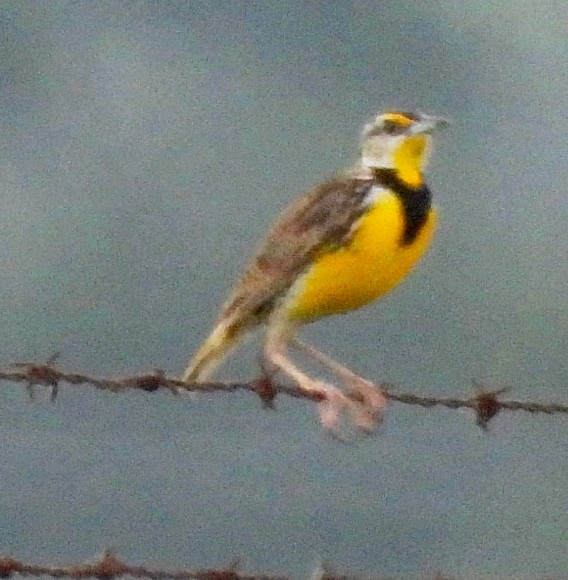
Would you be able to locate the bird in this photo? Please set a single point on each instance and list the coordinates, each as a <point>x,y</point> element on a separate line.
<point>341,245</point>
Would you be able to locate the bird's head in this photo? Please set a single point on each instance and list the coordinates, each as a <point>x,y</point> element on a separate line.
<point>400,142</point>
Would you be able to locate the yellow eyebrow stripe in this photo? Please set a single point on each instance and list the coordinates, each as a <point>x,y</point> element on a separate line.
<point>398,118</point>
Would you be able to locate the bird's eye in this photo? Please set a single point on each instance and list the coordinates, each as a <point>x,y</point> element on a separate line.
<point>392,127</point>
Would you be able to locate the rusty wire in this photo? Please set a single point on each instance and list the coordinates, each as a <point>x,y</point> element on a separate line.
<point>485,403</point>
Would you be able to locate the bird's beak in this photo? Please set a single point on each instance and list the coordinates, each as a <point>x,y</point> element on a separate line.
<point>427,124</point>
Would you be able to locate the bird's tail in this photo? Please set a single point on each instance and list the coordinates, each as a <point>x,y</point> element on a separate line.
<point>222,339</point>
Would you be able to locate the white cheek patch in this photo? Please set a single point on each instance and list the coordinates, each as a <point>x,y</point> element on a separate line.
<point>384,161</point>
<point>378,151</point>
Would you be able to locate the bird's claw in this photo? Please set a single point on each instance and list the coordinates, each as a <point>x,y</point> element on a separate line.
<point>363,402</point>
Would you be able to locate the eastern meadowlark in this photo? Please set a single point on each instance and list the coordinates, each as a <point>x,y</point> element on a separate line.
<point>341,245</point>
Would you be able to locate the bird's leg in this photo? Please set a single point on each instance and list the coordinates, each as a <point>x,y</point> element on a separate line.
<point>372,399</point>
<point>333,401</point>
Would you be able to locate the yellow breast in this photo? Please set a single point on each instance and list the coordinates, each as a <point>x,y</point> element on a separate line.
<point>372,264</point>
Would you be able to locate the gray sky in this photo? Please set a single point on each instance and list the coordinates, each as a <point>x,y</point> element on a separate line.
<point>145,147</point>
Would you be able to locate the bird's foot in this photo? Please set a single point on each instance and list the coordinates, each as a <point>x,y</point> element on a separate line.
<point>369,402</point>
<point>363,403</point>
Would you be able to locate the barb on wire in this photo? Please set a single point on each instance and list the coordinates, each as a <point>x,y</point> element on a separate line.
<point>485,403</point>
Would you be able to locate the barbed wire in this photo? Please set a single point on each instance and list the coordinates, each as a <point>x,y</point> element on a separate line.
<point>109,566</point>
<point>485,403</point>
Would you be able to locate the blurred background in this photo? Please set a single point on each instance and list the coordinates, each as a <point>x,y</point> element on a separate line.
<point>145,146</point>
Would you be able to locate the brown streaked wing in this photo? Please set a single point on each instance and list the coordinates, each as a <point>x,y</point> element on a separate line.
<point>322,217</point>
